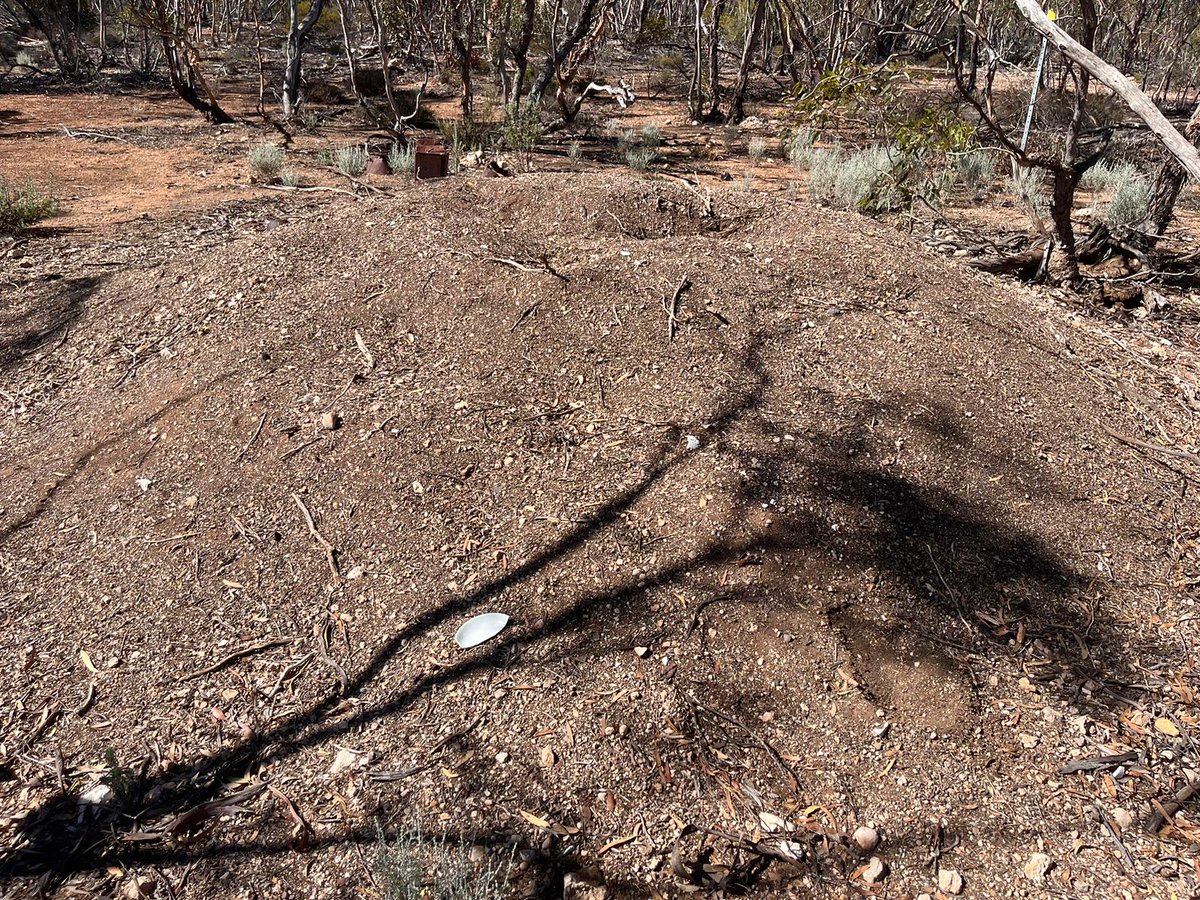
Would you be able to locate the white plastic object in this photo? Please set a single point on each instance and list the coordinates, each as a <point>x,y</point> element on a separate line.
<point>479,629</point>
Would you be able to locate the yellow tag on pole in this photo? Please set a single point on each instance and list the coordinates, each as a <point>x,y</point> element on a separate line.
<point>1051,14</point>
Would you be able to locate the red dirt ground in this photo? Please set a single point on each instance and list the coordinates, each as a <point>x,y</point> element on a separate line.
<point>908,574</point>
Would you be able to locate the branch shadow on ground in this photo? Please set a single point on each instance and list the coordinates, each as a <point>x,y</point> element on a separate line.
<point>906,529</point>
<point>27,328</point>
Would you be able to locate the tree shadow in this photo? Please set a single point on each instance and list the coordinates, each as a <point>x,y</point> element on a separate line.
<point>953,563</point>
<point>70,471</point>
<point>25,329</point>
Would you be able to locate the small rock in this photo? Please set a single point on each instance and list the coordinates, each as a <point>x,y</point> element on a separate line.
<point>502,757</point>
<point>547,756</point>
<point>641,651</point>
<point>1037,867</point>
<point>771,822</point>
<point>874,871</point>
<point>330,421</point>
<point>355,573</point>
<point>692,442</point>
<point>1123,818</point>
<point>101,793</point>
<point>345,759</point>
<point>139,887</point>
<point>949,881</point>
<point>579,886</point>
<point>866,838</point>
<point>478,853</point>
<point>1028,741</point>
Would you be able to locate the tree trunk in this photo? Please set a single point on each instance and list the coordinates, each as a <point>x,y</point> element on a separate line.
<point>520,52</point>
<point>1137,101</point>
<point>738,99</point>
<point>714,60</point>
<point>293,50</point>
<point>1168,183</point>
<point>558,55</point>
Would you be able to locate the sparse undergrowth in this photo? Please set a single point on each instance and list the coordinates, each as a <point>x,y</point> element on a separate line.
<point>403,159</point>
<point>266,162</point>
<point>1128,193</point>
<point>350,161</point>
<point>415,866</point>
<point>24,204</point>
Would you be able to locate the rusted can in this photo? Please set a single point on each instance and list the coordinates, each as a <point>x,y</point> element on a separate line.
<point>432,160</point>
<point>377,164</point>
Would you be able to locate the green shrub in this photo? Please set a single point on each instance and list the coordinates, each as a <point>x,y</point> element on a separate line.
<point>651,136</point>
<point>861,177</point>
<point>350,161</point>
<point>639,158</point>
<point>403,159</point>
<point>266,161</point>
<point>1027,187</point>
<point>575,153</point>
<point>25,204</point>
<point>522,129</point>
<point>1130,193</point>
<point>757,149</point>
<point>1130,202</point>
<point>975,168</point>
<point>823,171</point>
<point>290,178</point>
<point>799,146</point>
<point>467,134</point>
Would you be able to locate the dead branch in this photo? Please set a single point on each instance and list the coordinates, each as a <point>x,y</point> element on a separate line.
<point>330,550</point>
<point>1142,106</point>
<point>239,654</point>
<point>672,307</point>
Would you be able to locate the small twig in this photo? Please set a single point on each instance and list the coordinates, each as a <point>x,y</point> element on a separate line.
<point>525,315</point>
<point>290,453</point>
<point>401,774</point>
<point>1098,762</point>
<point>770,751</point>
<point>94,134</point>
<point>330,550</point>
<point>238,654</point>
<point>367,356</point>
<point>455,735</point>
<point>672,307</point>
<point>314,189</point>
<point>1143,445</point>
<point>1165,811</point>
<point>1116,839</point>
<point>88,697</point>
<point>253,437</point>
<point>294,668</point>
<point>544,269</point>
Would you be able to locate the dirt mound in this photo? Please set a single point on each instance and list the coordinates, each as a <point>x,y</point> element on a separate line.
<point>254,478</point>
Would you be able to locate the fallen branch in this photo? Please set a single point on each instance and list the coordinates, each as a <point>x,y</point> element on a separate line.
<point>330,550</point>
<point>1165,812</point>
<point>194,817</point>
<point>1179,146</point>
<point>94,134</point>
<point>239,654</point>
<point>253,437</point>
<point>672,307</point>
<point>1143,445</point>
